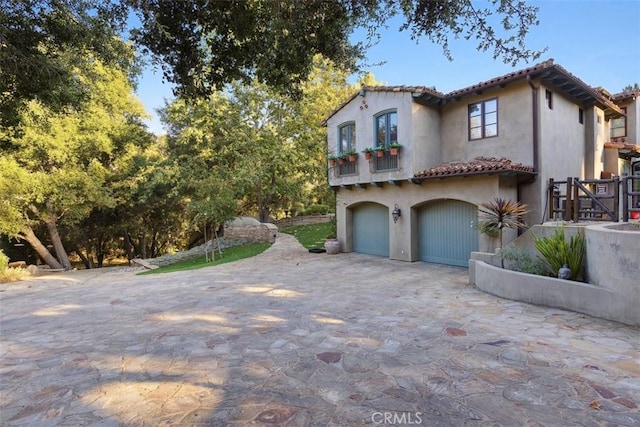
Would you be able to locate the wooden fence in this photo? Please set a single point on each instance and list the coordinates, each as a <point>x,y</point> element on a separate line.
<point>614,199</point>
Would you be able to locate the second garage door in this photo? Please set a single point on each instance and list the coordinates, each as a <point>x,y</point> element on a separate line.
<point>447,232</point>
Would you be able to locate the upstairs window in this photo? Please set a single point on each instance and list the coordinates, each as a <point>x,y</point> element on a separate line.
<point>483,119</point>
<point>386,129</point>
<point>619,126</point>
<point>580,116</point>
<point>549,98</point>
<point>347,138</point>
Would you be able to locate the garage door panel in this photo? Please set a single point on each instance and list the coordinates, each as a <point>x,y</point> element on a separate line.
<point>447,233</point>
<point>371,229</point>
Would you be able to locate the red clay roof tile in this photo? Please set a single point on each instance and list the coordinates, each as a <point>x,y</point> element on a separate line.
<point>479,165</point>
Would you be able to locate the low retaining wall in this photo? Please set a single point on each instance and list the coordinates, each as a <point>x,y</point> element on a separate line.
<point>250,230</point>
<point>566,294</point>
<point>611,267</point>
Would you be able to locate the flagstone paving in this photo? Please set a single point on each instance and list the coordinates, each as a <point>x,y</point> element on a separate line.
<point>298,339</point>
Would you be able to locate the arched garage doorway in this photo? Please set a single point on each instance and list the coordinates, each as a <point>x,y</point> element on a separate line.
<point>447,232</point>
<point>371,229</point>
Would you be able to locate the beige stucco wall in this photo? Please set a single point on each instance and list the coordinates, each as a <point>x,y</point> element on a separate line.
<point>514,140</point>
<point>415,123</point>
<point>403,235</point>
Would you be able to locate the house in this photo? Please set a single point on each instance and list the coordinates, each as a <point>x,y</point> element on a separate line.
<point>505,137</point>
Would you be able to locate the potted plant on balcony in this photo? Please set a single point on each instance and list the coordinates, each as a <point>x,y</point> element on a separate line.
<point>380,149</point>
<point>368,152</point>
<point>394,148</point>
<point>342,158</point>
<point>352,155</point>
<point>332,160</point>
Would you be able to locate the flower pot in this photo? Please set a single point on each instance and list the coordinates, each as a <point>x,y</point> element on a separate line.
<point>332,163</point>
<point>394,151</point>
<point>341,161</point>
<point>332,246</point>
<point>353,157</point>
<point>367,156</point>
<point>380,153</point>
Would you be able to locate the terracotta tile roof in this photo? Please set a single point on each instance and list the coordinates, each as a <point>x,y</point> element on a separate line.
<point>627,94</point>
<point>515,75</point>
<point>550,73</point>
<point>479,165</point>
<point>417,90</point>
<point>629,146</point>
<point>554,75</point>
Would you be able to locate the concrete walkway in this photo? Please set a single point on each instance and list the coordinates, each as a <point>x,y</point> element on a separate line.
<point>298,339</point>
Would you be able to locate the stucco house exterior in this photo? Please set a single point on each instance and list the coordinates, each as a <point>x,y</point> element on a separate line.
<point>505,137</point>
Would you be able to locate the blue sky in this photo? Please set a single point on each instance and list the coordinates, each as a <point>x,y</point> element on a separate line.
<point>596,40</point>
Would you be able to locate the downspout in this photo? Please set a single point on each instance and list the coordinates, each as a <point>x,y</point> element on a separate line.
<point>535,136</point>
<point>536,119</point>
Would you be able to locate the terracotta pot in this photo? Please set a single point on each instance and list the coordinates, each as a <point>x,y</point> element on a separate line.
<point>341,161</point>
<point>353,157</point>
<point>367,156</point>
<point>380,153</point>
<point>332,163</point>
<point>393,151</point>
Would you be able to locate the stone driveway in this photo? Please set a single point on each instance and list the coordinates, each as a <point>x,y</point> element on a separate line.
<point>298,339</point>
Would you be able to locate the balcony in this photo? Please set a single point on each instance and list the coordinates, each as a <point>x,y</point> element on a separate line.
<point>346,167</point>
<point>385,163</point>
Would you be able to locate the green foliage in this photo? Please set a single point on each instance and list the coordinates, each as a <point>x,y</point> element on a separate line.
<point>500,214</point>
<point>317,210</point>
<point>312,235</point>
<point>40,38</point>
<point>519,259</point>
<point>557,251</point>
<point>8,274</point>
<point>228,255</point>
<point>209,44</point>
<point>4,262</point>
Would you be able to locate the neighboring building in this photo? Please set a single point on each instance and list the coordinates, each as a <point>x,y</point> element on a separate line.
<point>505,137</point>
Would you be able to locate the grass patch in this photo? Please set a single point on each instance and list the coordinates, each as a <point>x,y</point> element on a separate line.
<point>14,274</point>
<point>228,255</point>
<point>310,236</point>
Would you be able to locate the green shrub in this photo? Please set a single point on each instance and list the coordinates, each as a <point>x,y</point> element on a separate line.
<point>317,209</point>
<point>519,259</point>
<point>4,262</point>
<point>557,252</point>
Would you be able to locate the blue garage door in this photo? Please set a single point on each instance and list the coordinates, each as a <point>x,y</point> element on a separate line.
<point>371,229</point>
<point>447,232</point>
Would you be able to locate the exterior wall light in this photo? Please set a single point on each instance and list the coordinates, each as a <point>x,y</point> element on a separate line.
<point>396,213</point>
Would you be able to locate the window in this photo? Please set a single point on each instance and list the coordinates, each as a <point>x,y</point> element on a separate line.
<point>386,129</point>
<point>483,119</point>
<point>347,138</point>
<point>619,126</point>
<point>580,116</point>
<point>549,98</point>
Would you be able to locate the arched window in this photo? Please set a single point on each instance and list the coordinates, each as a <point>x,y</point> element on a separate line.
<point>346,137</point>
<point>386,128</point>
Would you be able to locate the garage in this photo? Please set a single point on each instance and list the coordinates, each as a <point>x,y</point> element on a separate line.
<point>447,232</point>
<point>371,229</point>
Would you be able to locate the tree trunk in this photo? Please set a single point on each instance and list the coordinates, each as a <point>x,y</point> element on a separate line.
<point>86,260</point>
<point>128,246</point>
<point>41,249</point>
<point>61,253</point>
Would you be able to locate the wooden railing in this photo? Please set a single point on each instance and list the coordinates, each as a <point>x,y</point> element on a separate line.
<point>594,199</point>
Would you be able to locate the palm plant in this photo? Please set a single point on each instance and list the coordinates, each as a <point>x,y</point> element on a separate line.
<point>499,214</point>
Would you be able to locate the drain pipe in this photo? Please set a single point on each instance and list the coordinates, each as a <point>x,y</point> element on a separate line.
<point>536,119</point>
